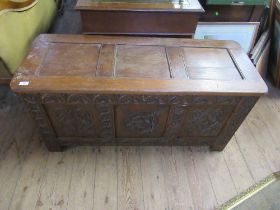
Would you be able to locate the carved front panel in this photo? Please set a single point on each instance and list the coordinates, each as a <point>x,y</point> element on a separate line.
<point>162,117</point>
<point>134,121</point>
<point>205,120</point>
<point>73,120</point>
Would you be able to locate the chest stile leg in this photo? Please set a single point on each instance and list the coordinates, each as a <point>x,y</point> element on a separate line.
<point>39,114</point>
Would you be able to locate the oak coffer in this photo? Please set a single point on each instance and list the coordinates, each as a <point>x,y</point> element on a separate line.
<point>104,90</point>
<point>140,17</point>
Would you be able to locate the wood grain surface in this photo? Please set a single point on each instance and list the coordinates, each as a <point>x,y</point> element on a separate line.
<point>75,64</point>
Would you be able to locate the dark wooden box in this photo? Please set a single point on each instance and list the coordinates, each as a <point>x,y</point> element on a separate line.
<point>157,17</point>
<point>137,91</point>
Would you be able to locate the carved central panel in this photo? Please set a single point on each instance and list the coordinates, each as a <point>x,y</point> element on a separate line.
<point>133,121</point>
<point>143,123</point>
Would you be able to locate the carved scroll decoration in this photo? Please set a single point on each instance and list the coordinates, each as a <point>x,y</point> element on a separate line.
<point>175,121</point>
<point>107,120</point>
<point>77,98</point>
<point>137,99</point>
<point>114,99</point>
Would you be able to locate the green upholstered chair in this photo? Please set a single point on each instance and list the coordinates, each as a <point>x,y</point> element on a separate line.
<point>18,29</point>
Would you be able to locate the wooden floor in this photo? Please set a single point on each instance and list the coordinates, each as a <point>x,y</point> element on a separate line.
<point>130,178</point>
<point>135,178</point>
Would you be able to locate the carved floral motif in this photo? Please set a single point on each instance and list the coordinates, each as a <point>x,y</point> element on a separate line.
<point>142,123</point>
<point>74,120</point>
<point>205,122</point>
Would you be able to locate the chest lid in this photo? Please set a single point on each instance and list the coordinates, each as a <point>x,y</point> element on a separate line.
<point>140,5</point>
<point>114,64</point>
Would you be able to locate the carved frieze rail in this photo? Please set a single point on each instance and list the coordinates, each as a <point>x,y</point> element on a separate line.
<point>137,99</point>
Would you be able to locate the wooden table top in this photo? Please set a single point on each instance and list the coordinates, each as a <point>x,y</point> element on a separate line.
<point>139,65</point>
<point>136,5</point>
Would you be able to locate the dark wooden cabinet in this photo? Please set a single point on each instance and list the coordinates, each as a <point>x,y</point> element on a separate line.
<point>115,90</point>
<point>228,12</point>
<point>131,17</point>
<point>224,13</point>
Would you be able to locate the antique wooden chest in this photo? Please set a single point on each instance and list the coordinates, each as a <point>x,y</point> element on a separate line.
<point>140,17</point>
<point>137,91</point>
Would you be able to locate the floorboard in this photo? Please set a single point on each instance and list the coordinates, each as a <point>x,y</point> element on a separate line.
<point>130,190</point>
<point>177,183</point>
<point>154,187</point>
<point>106,179</point>
<point>27,188</point>
<point>55,184</point>
<point>81,192</point>
<point>199,180</point>
<point>252,154</point>
<point>241,176</point>
<point>220,176</point>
